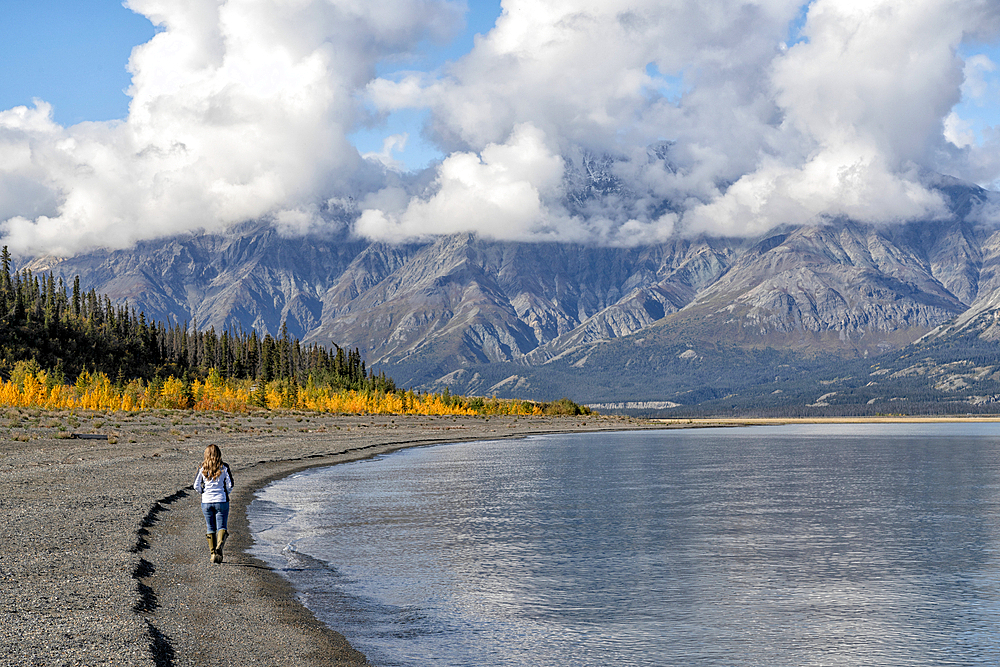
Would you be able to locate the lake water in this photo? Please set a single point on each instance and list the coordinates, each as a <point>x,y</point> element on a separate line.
<point>765,546</point>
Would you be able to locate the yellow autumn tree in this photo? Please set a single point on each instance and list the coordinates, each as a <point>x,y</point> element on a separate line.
<point>31,386</point>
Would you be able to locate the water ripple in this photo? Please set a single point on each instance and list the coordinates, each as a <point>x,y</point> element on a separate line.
<point>790,546</point>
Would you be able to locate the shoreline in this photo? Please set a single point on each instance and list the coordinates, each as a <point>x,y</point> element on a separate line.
<point>104,559</point>
<point>711,422</point>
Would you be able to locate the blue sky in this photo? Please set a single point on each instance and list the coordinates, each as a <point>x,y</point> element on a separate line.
<point>419,152</point>
<point>70,53</point>
<point>981,102</point>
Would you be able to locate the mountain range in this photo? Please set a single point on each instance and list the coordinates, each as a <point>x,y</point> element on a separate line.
<point>676,324</point>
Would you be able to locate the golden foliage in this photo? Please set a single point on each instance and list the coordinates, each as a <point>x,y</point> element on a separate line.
<point>30,386</point>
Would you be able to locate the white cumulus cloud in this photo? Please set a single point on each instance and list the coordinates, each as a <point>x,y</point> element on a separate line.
<point>840,123</point>
<point>240,110</point>
<point>869,93</point>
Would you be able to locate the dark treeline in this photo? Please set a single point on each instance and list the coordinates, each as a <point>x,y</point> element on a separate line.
<point>69,331</point>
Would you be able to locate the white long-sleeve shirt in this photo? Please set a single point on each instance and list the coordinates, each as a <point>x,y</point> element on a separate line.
<point>214,490</point>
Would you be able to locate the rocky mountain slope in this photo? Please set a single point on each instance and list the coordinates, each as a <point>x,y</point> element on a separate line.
<point>519,318</point>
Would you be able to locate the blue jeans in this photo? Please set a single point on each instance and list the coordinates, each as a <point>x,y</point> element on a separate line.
<point>216,515</point>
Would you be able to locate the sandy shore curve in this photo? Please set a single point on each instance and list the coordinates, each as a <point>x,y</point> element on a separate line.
<point>104,559</point>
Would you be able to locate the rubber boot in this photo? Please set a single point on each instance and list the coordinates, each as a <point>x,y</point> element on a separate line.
<point>211,546</point>
<point>220,543</point>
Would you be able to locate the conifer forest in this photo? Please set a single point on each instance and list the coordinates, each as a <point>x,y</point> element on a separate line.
<point>62,347</point>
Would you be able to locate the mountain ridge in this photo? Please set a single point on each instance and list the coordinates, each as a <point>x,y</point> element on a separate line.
<point>447,309</point>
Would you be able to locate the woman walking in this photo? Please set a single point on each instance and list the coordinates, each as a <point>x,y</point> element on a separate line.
<point>214,482</point>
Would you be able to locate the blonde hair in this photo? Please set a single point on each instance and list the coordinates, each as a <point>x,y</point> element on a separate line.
<point>211,467</point>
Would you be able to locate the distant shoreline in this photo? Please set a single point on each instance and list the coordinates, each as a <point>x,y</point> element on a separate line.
<point>704,422</point>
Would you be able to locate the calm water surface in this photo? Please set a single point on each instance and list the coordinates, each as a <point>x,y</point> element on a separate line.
<point>769,546</point>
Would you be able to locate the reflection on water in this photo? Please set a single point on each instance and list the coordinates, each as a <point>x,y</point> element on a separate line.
<point>805,545</point>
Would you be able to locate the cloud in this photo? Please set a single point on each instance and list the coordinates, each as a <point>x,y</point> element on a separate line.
<point>587,76</point>
<point>599,121</point>
<point>392,143</point>
<point>843,122</point>
<point>508,191</point>
<point>869,93</point>
<point>976,69</point>
<point>579,71</point>
<point>240,110</point>
<point>504,187</point>
<point>958,132</point>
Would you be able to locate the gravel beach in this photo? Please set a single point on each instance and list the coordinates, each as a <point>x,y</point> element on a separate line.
<point>103,558</point>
